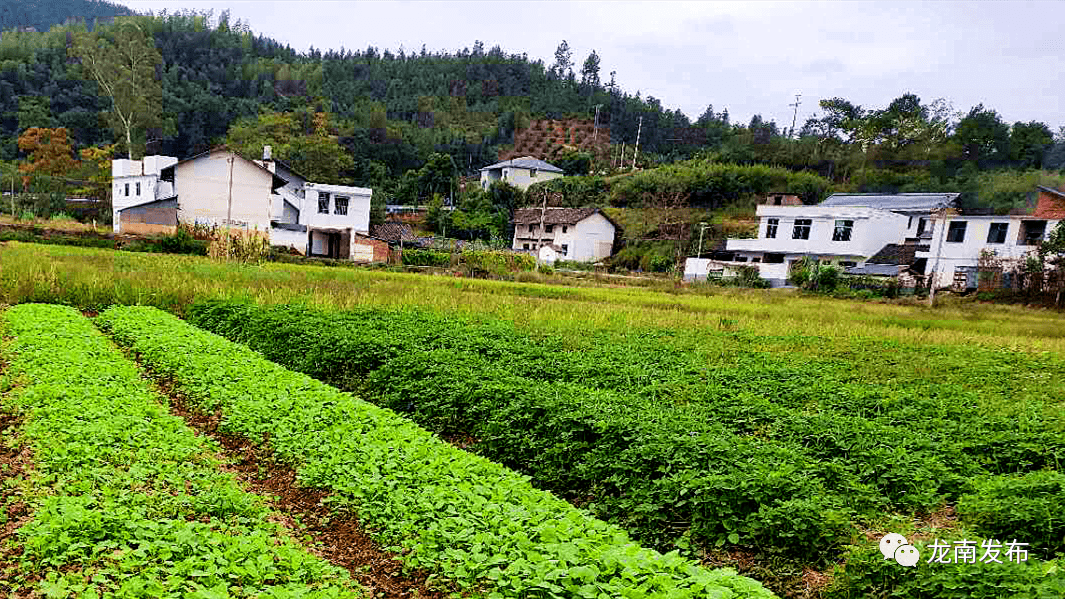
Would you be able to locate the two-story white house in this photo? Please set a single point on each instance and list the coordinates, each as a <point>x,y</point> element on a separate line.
<point>220,188</point>
<point>843,230</point>
<point>578,234</point>
<point>519,172</point>
<point>953,251</point>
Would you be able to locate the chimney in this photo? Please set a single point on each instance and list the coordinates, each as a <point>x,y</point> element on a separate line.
<point>267,153</point>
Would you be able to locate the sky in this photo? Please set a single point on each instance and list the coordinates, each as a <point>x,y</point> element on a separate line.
<point>748,57</point>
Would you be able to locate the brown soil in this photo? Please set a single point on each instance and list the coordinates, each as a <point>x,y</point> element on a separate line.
<point>14,464</point>
<point>340,540</point>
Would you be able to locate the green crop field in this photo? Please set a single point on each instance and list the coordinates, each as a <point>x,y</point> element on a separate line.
<point>776,434</point>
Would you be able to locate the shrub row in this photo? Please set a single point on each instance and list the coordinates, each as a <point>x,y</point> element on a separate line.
<point>127,501</point>
<point>649,437</point>
<point>468,520</point>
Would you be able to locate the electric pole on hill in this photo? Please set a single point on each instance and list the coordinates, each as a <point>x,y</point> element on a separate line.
<point>637,149</point>
<point>595,127</point>
<point>794,114</point>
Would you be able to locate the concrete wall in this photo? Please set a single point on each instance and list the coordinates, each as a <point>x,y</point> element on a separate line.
<point>288,238</point>
<point>592,239</point>
<point>203,189</point>
<point>872,230</point>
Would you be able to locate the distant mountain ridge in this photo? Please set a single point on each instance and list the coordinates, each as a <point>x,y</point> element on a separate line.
<point>42,15</point>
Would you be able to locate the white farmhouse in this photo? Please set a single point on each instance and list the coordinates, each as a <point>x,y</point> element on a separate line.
<point>579,234</point>
<point>140,201</point>
<point>220,188</point>
<point>844,230</point>
<point>519,172</point>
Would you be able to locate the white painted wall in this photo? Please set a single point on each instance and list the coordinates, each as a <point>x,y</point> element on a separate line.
<point>287,238</point>
<point>521,178</point>
<point>873,229</point>
<point>590,240</point>
<point>357,218</point>
<point>203,188</point>
<point>945,256</point>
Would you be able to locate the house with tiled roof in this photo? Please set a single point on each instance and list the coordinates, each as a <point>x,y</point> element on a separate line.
<point>519,172</point>
<point>579,234</point>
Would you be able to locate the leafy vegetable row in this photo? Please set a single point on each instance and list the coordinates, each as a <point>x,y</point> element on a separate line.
<point>470,521</point>
<point>757,451</point>
<point>128,501</point>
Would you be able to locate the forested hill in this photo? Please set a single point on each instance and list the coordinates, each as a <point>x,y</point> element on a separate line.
<point>215,72</point>
<point>41,15</point>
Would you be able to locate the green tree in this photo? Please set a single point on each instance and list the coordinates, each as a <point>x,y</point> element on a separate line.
<point>590,71</point>
<point>983,138</point>
<point>1029,142</point>
<point>563,61</point>
<point>122,60</point>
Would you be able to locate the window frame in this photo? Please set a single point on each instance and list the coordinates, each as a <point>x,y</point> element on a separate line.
<point>565,249</point>
<point>801,228</point>
<point>771,226</point>
<point>323,197</point>
<point>138,188</point>
<point>127,190</point>
<point>956,231</point>
<point>549,228</point>
<point>1001,228</point>
<point>842,230</point>
<point>337,205</point>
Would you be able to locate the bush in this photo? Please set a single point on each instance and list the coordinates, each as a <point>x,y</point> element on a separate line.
<point>182,242</point>
<point>497,262</point>
<point>1029,507</point>
<point>239,246</point>
<point>426,258</point>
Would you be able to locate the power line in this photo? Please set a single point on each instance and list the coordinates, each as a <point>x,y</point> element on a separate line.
<point>795,114</point>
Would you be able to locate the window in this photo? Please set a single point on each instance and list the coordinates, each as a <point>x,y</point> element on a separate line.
<point>532,228</point>
<point>532,173</point>
<point>565,249</point>
<point>956,231</point>
<point>756,259</point>
<point>138,187</point>
<point>741,258</point>
<point>564,228</point>
<point>909,223</point>
<point>1032,231</point>
<point>504,175</point>
<point>340,206</point>
<point>802,228</point>
<point>847,264</point>
<point>548,228</point>
<point>921,224</point>
<point>773,259</point>
<point>771,228</point>
<point>524,246</point>
<point>778,200</point>
<point>997,233</point>
<point>323,203</point>
<point>127,189</point>
<point>842,232</point>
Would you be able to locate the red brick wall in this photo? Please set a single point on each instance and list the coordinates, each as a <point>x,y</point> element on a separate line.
<point>380,248</point>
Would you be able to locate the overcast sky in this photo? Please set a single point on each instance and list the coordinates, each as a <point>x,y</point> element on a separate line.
<point>748,57</point>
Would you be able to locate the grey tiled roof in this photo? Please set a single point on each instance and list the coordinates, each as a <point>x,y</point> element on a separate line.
<point>525,162</point>
<point>553,216</point>
<point>895,254</point>
<point>394,232</point>
<point>898,201</point>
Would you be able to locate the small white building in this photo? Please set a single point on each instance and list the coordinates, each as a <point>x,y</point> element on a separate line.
<point>843,230</point>
<point>579,234</point>
<point>135,185</point>
<point>519,172</point>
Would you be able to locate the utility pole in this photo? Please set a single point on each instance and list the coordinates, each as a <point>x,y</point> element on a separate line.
<point>637,149</point>
<point>540,231</point>
<point>702,227</point>
<point>621,163</point>
<point>939,252</point>
<point>794,114</point>
<point>229,209</point>
<point>595,127</point>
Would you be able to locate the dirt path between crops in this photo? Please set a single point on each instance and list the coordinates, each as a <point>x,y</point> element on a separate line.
<point>339,540</point>
<point>15,463</point>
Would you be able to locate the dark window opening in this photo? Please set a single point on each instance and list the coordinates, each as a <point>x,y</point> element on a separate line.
<point>922,223</point>
<point>997,232</point>
<point>802,228</point>
<point>564,228</point>
<point>756,259</point>
<point>771,228</point>
<point>127,189</point>
<point>778,200</point>
<point>842,231</point>
<point>323,203</point>
<point>773,259</point>
<point>138,187</point>
<point>956,231</point>
<point>847,264</point>
<point>548,228</point>
<point>341,206</point>
<point>565,249</point>
<point>1032,231</point>
<point>741,258</point>
<point>524,246</point>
